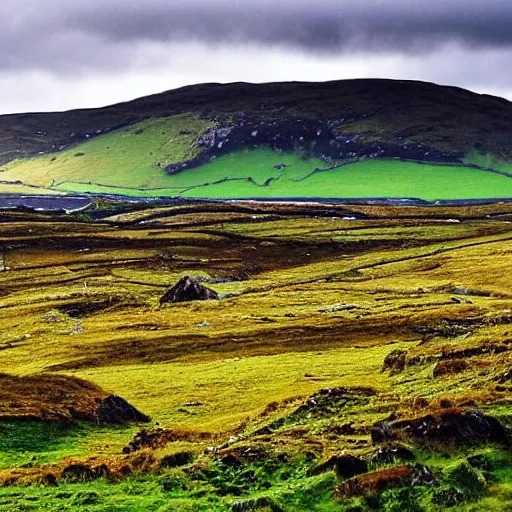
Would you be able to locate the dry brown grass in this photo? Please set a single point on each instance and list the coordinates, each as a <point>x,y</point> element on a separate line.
<point>48,397</point>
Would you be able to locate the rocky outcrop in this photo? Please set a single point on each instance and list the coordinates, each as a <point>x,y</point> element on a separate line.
<point>115,409</point>
<point>452,427</point>
<point>320,138</point>
<point>188,289</point>
<point>395,362</point>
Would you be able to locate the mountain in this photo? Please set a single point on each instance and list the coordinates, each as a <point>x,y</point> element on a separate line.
<point>270,140</point>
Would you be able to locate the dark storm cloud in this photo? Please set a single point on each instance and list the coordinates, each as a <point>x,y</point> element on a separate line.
<point>60,35</point>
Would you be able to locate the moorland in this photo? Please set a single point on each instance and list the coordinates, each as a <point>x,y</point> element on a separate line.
<point>357,358</point>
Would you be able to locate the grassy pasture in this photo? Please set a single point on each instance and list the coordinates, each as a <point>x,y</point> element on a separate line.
<point>131,162</point>
<point>308,303</point>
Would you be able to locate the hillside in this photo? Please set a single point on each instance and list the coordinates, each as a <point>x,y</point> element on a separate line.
<point>353,359</point>
<point>354,138</point>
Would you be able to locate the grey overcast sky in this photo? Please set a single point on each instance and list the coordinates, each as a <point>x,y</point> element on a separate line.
<point>62,54</point>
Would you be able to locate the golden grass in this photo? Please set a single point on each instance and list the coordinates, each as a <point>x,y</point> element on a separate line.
<point>320,304</point>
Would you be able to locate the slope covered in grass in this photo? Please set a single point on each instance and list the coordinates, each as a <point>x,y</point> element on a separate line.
<point>371,178</point>
<point>309,302</point>
<point>132,163</point>
<point>133,157</point>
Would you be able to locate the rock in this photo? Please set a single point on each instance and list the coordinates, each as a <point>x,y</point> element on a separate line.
<point>328,401</point>
<point>468,480</point>
<point>188,289</point>
<point>395,361</point>
<point>145,439</point>
<point>448,427</point>
<point>448,497</point>
<point>231,460</point>
<point>102,471</point>
<point>78,473</point>
<point>347,466</point>
<point>177,459</point>
<point>392,453</point>
<point>450,367</point>
<point>114,409</point>
<point>384,479</point>
<point>323,467</point>
<point>49,479</point>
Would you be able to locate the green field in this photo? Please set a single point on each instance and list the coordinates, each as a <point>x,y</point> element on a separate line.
<point>132,162</point>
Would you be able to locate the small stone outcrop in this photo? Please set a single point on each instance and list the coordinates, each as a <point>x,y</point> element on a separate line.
<point>348,466</point>
<point>114,409</point>
<point>395,362</point>
<point>188,289</point>
<point>345,465</point>
<point>454,427</point>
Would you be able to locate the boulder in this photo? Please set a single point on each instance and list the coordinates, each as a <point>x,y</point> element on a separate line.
<point>114,409</point>
<point>347,466</point>
<point>448,427</point>
<point>188,289</point>
<point>450,367</point>
<point>391,453</point>
<point>176,460</point>
<point>395,361</point>
<point>78,473</point>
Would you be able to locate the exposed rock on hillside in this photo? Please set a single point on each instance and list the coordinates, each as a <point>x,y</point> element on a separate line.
<point>395,361</point>
<point>447,427</point>
<point>188,289</point>
<point>115,409</point>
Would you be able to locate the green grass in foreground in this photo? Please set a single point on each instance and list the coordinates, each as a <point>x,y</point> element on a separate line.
<point>325,301</point>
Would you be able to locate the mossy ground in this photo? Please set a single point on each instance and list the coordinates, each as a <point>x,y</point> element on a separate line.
<point>307,303</point>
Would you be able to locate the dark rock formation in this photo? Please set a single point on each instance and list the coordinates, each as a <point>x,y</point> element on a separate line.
<point>321,138</point>
<point>177,459</point>
<point>331,400</point>
<point>447,427</point>
<point>389,478</point>
<point>450,367</point>
<point>78,473</point>
<point>188,289</point>
<point>347,466</point>
<point>114,409</point>
<point>395,361</point>
<point>392,453</point>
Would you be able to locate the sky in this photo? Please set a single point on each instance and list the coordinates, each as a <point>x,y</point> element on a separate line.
<point>62,54</point>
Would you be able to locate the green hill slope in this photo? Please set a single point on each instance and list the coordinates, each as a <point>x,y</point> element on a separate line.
<point>356,138</point>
